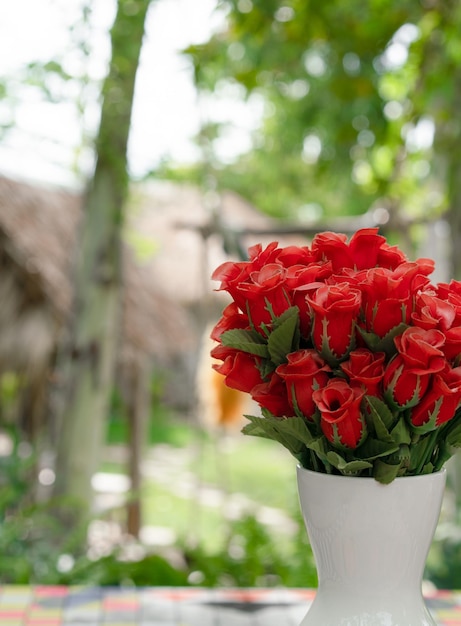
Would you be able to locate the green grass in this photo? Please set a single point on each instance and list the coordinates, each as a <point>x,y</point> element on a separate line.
<point>190,522</point>
<point>259,470</point>
<point>165,426</point>
<point>263,474</point>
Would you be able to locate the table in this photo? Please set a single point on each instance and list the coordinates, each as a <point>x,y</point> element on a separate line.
<point>163,606</point>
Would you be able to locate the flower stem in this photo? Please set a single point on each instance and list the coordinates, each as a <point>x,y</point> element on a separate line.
<point>431,441</point>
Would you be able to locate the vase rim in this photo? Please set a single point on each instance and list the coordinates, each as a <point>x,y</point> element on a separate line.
<point>440,472</point>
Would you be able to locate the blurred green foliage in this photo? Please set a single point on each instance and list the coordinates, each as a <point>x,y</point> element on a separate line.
<point>164,424</point>
<point>360,106</point>
<point>253,558</point>
<point>37,547</point>
<point>443,566</point>
<point>40,547</point>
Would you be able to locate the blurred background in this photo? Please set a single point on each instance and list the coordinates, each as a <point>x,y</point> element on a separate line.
<point>142,144</point>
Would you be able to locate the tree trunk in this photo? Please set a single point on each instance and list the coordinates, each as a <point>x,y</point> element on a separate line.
<point>88,355</point>
<point>137,407</point>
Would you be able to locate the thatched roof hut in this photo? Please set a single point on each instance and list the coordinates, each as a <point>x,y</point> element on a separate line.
<point>169,253</point>
<point>38,234</point>
<point>36,230</point>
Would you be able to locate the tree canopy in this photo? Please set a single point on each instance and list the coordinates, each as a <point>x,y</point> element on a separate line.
<point>361,105</point>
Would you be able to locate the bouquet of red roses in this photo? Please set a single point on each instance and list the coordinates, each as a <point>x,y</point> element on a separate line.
<point>351,352</point>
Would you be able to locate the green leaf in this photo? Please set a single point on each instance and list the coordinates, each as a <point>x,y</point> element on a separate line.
<point>284,337</point>
<point>296,427</point>
<point>453,438</point>
<point>381,417</point>
<point>403,457</point>
<point>374,448</point>
<point>255,429</point>
<point>444,452</point>
<point>383,344</point>
<point>247,341</point>
<point>347,467</point>
<point>420,452</point>
<point>385,472</point>
<point>427,469</point>
<point>291,312</point>
<point>401,433</point>
<point>320,446</point>
<point>291,432</point>
<point>263,427</point>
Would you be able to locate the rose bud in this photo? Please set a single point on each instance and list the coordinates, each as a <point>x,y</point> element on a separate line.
<point>365,369</point>
<point>239,368</point>
<point>335,309</point>
<point>231,318</point>
<point>408,373</point>
<point>440,401</point>
<point>304,372</point>
<point>388,295</point>
<point>266,294</point>
<point>341,419</point>
<point>272,396</point>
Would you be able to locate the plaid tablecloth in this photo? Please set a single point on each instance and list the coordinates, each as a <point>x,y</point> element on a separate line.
<point>160,606</point>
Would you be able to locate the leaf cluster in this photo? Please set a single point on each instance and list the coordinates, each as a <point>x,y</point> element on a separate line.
<point>326,70</point>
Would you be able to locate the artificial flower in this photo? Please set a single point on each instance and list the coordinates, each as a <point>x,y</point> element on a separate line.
<point>351,353</point>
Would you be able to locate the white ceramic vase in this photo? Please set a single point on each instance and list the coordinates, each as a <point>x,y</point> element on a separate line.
<point>370,542</point>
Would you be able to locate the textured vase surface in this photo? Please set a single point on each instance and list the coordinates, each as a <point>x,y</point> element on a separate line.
<point>370,542</point>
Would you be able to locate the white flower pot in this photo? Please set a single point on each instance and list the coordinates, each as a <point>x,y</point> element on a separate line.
<point>370,543</point>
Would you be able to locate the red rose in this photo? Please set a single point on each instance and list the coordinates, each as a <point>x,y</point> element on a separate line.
<point>451,294</point>
<point>232,274</point>
<point>239,368</point>
<point>365,368</point>
<point>334,313</point>
<point>433,312</point>
<point>295,255</point>
<point>265,294</point>
<point>426,266</point>
<point>390,257</point>
<point>341,420</point>
<point>452,347</point>
<point>231,318</point>
<point>440,401</point>
<point>365,249</point>
<point>388,296</point>
<point>408,374</point>
<point>445,290</point>
<point>272,396</point>
<point>304,372</point>
<point>421,349</point>
<point>331,247</point>
<point>259,256</point>
<point>301,280</point>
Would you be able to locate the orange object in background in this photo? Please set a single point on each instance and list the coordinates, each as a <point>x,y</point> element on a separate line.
<point>229,404</point>
<point>220,407</point>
